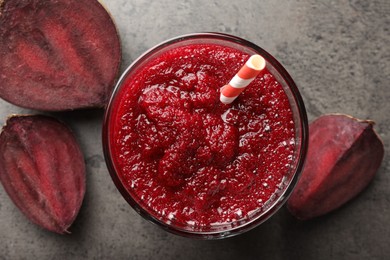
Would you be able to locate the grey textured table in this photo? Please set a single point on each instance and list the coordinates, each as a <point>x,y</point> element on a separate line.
<point>338,52</point>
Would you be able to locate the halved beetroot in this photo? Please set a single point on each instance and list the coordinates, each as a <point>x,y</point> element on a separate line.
<point>43,171</point>
<point>57,54</point>
<point>344,155</point>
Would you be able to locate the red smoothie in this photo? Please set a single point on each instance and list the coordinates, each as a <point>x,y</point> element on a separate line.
<point>190,160</point>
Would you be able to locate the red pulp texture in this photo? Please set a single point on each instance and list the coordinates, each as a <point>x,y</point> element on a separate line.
<point>187,158</point>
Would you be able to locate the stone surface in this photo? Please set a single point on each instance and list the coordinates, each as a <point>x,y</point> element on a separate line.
<point>338,52</point>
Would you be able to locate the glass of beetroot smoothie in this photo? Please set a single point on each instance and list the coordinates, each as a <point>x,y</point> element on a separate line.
<point>191,164</point>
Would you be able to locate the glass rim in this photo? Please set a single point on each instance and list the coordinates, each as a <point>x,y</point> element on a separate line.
<point>301,154</point>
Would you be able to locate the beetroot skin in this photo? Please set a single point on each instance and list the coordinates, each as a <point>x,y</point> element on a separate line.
<point>344,155</point>
<point>43,171</point>
<point>57,54</point>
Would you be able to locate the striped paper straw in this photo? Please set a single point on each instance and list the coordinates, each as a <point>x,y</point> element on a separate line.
<point>243,78</point>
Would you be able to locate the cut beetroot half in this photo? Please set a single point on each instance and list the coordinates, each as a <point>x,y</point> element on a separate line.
<point>43,171</point>
<point>57,54</point>
<point>343,157</point>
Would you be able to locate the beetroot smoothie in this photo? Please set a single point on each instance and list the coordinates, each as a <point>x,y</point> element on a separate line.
<point>185,160</point>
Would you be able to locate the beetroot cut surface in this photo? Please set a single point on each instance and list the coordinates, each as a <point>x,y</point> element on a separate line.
<point>57,54</point>
<point>344,155</point>
<point>43,171</point>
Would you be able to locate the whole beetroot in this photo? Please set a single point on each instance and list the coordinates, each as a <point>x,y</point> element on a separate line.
<point>43,171</point>
<point>344,155</point>
<point>57,54</point>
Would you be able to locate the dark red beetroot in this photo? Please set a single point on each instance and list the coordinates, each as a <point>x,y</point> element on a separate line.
<point>344,155</point>
<point>57,55</point>
<point>42,169</point>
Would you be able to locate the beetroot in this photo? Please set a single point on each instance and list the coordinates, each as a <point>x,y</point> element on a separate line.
<point>57,54</point>
<point>344,155</point>
<point>43,171</point>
